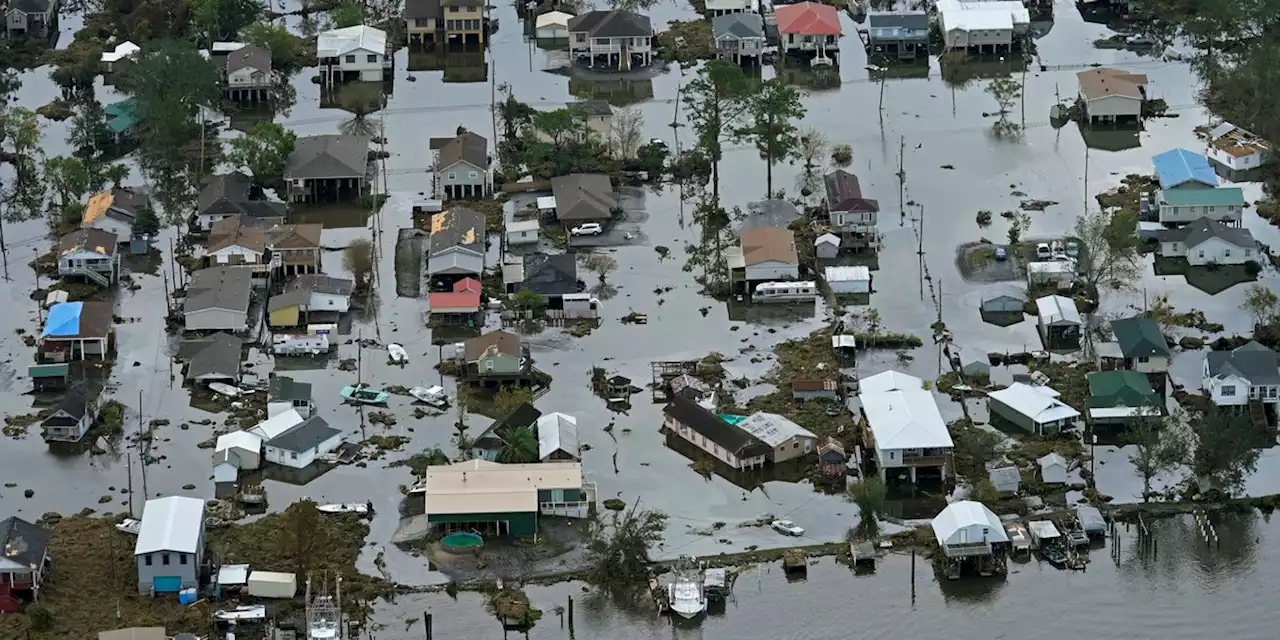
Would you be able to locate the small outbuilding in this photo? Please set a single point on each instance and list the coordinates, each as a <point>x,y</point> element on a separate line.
<point>1032,407</point>
<point>1005,479</point>
<point>1053,468</point>
<point>1060,274</point>
<point>558,438</point>
<point>817,389</point>
<point>827,246</point>
<point>552,25</point>
<point>968,528</point>
<point>243,449</point>
<point>272,584</point>
<point>1060,322</point>
<point>848,280</point>
<point>1002,304</point>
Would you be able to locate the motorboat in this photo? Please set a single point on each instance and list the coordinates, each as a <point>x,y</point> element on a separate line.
<point>797,291</point>
<point>433,395</point>
<point>686,593</point>
<point>224,389</point>
<point>364,395</point>
<point>360,508</point>
<point>397,353</point>
<point>130,526</point>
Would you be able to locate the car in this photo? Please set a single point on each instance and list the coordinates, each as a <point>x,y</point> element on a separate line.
<point>1057,246</point>
<point>587,229</point>
<point>1001,254</point>
<point>787,528</point>
<point>1073,248</point>
<point>1043,250</point>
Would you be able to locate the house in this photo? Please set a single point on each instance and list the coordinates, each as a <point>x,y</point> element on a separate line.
<point>353,53</point>
<point>1246,374</point>
<point>901,34</point>
<point>1182,169</point>
<point>1053,468</point>
<point>49,377</point>
<point>457,247</point>
<point>115,211</point>
<point>75,331</point>
<point>71,420</point>
<point>276,425</point>
<point>768,254</point>
<point>583,197</point>
<point>31,18</point>
<point>460,306</point>
<point>710,433</point>
<point>217,299</point>
<point>308,298</point>
<point>520,227</point>
<point>595,119</point>
<point>300,445</point>
<point>808,27</point>
<point>848,280</point>
<point>241,449</point>
<point>285,393</point>
<point>833,460</point>
<point>1238,149</point>
<point>233,194</point>
<point>1006,480</point>
<point>25,561</point>
<point>719,8</point>
<point>619,34</point>
<point>1034,408</point>
<point>786,440</point>
<point>461,169</point>
<point>91,254</point>
<point>1142,344</point>
<point>236,241</point>
<point>169,552</point>
<point>1183,206</point>
<point>1056,274</point>
<point>125,51</point>
<point>295,248</point>
<point>850,215</point>
<point>904,428</point>
<point>248,74</point>
<point>982,26</point>
<point>490,443</point>
<point>552,25</point>
<point>967,529</point>
<point>504,499</point>
<point>1111,95</point>
<point>212,359</point>
<point>548,275</point>
<point>558,438</point>
<point>738,35</point>
<point>1059,321</point>
<point>692,388</point>
<point>827,246</point>
<point>496,355</point>
<point>819,389</point>
<point>123,120</point>
<point>445,21</point>
<point>328,168</point>
<point>1117,397</point>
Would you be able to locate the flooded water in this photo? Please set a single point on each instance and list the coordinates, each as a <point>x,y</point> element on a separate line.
<point>936,122</point>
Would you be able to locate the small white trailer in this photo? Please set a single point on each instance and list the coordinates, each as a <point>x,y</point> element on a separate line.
<point>272,584</point>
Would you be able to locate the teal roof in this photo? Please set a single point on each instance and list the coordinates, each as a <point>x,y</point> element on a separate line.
<point>730,418</point>
<point>1219,197</point>
<point>1140,337</point>
<point>49,370</point>
<point>1118,388</point>
<point>121,116</point>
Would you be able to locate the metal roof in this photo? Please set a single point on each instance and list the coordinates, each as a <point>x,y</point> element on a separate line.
<point>773,429</point>
<point>962,515</point>
<point>1057,309</point>
<point>173,523</point>
<point>1033,402</point>
<point>847,274</point>
<point>890,381</point>
<point>905,420</point>
<point>304,436</point>
<point>558,432</point>
<point>1180,166</point>
<point>481,486</point>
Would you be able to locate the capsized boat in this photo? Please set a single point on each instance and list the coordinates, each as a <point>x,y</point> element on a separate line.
<point>397,353</point>
<point>361,508</point>
<point>433,395</point>
<point>364,395</point>
<point>686,592</point>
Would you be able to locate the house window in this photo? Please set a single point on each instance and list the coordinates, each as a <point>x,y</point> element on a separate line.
<point>1144,359</point>
<point>795,445</point>
<point>420,22</point>
<point>351,58</point>
<point>1228,390</point>
<point>604,42</point>
<point>891,453</point>
<point>293,455</point>
<point>473,175</point>
<point>164,559</point>
<point>1201,252</point>
<point>1248,252</point>
<point>1226,253</point>
<point>453,9</point>
<point>1271,392</point>
<point>373,57</point>
<point>147,559</point>
<point>182,558</point>
<point>453,175</point>
<point>1211,209</point>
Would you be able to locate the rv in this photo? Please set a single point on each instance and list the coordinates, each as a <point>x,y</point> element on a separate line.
<point>300,345</point>
<point>798,291</point>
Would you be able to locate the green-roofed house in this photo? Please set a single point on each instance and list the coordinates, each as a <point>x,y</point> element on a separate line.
<point>1142,344</point>
<point>122,119</point>
<point>1183,206</point>
<point>285,393</point>
<point>1118,397</point>
<point>49,377</point>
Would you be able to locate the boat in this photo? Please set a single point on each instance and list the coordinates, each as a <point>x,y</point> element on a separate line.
<point>244,613</point>
<point>130,526</point>
<point>686,592</point>
<point>797,291</point>
<point>716,584</point>
<point>1054,557</point>
<point>433,395</point>
<point>364,395</point>
<point>361,508</point>
<point>397,353</point>
<point>224,389</point>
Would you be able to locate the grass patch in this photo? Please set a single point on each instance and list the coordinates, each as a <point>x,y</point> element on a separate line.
<point>696,38</point>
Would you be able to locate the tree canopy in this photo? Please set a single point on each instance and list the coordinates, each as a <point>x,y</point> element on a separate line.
<point>264,152</point>
<point>772,112</point>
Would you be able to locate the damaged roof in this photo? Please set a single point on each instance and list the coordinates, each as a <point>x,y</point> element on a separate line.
<point>457,227</point>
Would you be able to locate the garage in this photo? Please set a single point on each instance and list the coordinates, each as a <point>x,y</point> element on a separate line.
<point>166,584</point>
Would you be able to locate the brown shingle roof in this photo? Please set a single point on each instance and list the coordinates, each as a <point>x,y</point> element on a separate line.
<point>764,244</point>
<point>500,341</point>
<point>95,240</point>
<point>237,231</point>
<point>1105,81</point>
<point>466,146</point>
<point>295,236</point>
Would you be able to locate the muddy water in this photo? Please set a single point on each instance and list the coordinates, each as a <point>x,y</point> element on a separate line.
<point>937,123</point>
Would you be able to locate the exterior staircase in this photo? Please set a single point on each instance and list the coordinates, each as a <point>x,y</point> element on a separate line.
<point>1258,413</point>
<point>92,275</point>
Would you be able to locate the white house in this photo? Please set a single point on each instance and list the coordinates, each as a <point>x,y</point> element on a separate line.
<point>124,51</point>
<point>1237,149</point>
<point>905,430</point>
<point>276,424</point>
<point>984,25</point>
<point>243,449</point>
<point>1059,320</point>
<point>967,528</point>
<point>89,253</point>
<point>169,552</point>
<point>521,227</point>
<point>769,254</point>
<point>1058,273</point>
<point>552,25</point>
<point>325,293</point>
<point>248,72</point>
<point>725,7</point>
<point>848,280</point>
<point>558,438</point>
<point>300,445</point>
<point>1032,407</point>
<point>1209,242</point>
<point>1053,468</point>
<point>886,381</point>
<point>1244,374</point>
<point>1183,206</point>
<point>359,52</point>
<point>1112,95</point>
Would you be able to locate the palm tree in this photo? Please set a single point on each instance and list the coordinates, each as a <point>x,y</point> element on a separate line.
<point>519,446</point>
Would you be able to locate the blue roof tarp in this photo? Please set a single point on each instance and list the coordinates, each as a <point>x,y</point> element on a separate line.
<point>63,320</point>
<point>1180,166</point>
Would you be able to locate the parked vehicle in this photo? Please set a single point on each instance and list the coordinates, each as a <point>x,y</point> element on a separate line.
<point>787,528</point>
<point>1073,248</point>
<point>1043,250</point>
<point>587,229</point>
<point>1057,246</point>
<point>1002,254</point>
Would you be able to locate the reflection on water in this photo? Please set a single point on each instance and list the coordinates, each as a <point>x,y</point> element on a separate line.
<point>619,93</point>
<point>1106,139</point>
<point>811,78</point>
<point>960,70</point>
<point>332,216</point>
<point>458,66</point>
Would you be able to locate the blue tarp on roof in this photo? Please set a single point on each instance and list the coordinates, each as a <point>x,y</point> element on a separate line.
<point>63,320</point>
<point>1180,166</point>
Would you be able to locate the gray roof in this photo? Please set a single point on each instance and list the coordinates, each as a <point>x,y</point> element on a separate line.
<point>328,156</point>
<point>1201,230</point>
<point>29,6</point>
<point>604,24</point>
<point>24,543</point>
<point>421,9</point>
<point>218,356</point>
<point>467,146</point>
<point>583,197</point>
<point>249,57</point>
<point>550,275</point>
<point>1253,362</point>
<point>218,288</point>
<point>304,436</point>
<point>916,21</point>
<point>737,25</point>
<point>594,107</point>
<point>321,283</point>
<point>232,194</point>
<point>457,227</point>
<point>286,389</point>
<point>1002,304</point>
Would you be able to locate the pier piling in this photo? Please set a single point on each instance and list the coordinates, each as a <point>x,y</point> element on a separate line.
<point>570,616</point>
<point>426,619</point>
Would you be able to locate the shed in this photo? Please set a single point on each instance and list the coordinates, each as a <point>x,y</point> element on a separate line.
<point>1042,531</point>
<point>1053,468</point>
<point>1002,304</point>
<point>552,25</point>
<point>226,477</point>
<point>244,449</point>
<point>272,584</point>
<point>848,280</point>
<point>967,528</point>
<point>1005,479</point>
<point>558,437</point>
<point>1058,273</point>
<point>1032,407</point>
<point>827,246</point>
<point>1059,320</point>
<point>822,388</point>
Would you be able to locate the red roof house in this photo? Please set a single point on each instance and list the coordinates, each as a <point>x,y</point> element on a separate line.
<point>465,298</point>
<point>808,19</point>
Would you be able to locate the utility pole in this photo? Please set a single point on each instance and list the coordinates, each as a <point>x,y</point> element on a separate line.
<point>168,308</point>
<point>141,450</point>
<point>920,248</point>
<point>902,179</point>
<point>173,262</point>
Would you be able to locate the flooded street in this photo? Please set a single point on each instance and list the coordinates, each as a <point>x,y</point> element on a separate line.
<point>1186,591</point>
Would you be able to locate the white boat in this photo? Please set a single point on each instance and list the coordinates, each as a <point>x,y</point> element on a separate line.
<point>397,353</point>
<point>686,593</point>
<point>797,291</point>
<point>245,613</point>
<point>222,388</point>
<point>130,526</point>
<point>433,395</point>
<point>361,508</point>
